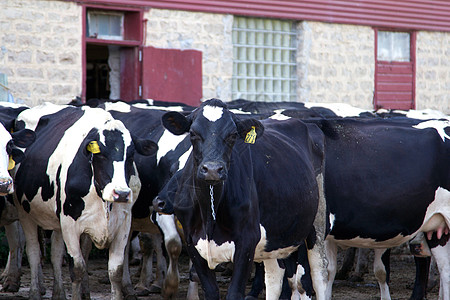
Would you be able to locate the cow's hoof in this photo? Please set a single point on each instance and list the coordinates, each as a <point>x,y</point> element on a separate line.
<point>142,291</point>
<point>104,280</point>
<point>356,278</point>
<point>250,298</point>
<point>11,287</point>
<point>154,289</point>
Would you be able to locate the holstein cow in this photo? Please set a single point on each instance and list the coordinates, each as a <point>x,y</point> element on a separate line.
<point>10,154</point>
<point>241,202</point>
<point>77,178</point>
<point>374,170</point>
<point>144,120</point>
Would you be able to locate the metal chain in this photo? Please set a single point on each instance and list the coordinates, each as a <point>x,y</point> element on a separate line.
<point>211,193</point>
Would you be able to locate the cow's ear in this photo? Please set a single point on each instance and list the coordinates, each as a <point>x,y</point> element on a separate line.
<point>16,156</point>
<point>23,138</point>
<point>144,146</point>
<point>176,123</point>
<point>249,129</point>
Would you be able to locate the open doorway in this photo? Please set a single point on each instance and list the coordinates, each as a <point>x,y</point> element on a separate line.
<point>102,72</point>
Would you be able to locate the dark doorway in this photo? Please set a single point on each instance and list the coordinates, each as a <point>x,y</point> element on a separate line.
<point>97,72</point>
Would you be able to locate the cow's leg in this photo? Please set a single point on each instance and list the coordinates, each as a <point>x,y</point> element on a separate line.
<point>192,293</point>
<point>347,264</point>
<point>258,282</point>
<point>442,257</point>
<point>151,243</point>
<point>273,278</point>
<point>206,276</point>
<point>316,246</point>
<point>34,256</point>
<point>86,247</point>
<point>303,275</point>
<point>381,269</point>
<point>116,259</point>
<point>78,267</point>
<point>331,251</point>
<point>172,241</point>
<point>243,262</point>
<point>422,272</point>
<point>16,241</point>
<point>127,286</point>
<point>362,265</point>
<point>57,254</point>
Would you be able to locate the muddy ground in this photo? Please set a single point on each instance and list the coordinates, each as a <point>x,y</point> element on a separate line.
<point>402,278</point>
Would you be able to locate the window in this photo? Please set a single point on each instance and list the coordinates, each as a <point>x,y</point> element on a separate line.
<point>105,25</point>
<point>393,46</point>
<point>264,65</point>
<point>394,69</point>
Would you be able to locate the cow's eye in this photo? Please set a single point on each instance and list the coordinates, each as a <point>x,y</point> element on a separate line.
<point>231,139</point>
<point>195,136</point>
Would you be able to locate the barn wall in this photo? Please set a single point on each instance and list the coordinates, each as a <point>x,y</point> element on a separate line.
<point>336,63</point>
<point>209,33</point>
<point>40,49</point>
<point>433,71</point>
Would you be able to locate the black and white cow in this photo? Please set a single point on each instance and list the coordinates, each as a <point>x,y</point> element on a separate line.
<point>10,154</point>
<point>77,178</point>
<point>385,182</point>
<point>240,202</point>
<point>143,119</point>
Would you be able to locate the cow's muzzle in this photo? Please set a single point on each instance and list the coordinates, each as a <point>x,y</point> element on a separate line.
<point>6,186</point>
<point>121,195</point>
<point>162,206</point>
<point>212,171</point>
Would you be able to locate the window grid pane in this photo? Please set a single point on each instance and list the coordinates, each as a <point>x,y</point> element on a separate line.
<point>264,65</point>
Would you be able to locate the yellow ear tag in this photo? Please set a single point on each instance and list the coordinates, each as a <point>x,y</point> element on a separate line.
<point>11,163</point>
<point>93,147</point>
<point>251,136</point>
<point>179,225</point>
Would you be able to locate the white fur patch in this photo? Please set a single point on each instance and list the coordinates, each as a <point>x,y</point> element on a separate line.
<point>340,109</point>
<point>212,113</point>
<point>279,115</point>
<point>168,142</point>
<point>118,106</point>
<point>439,125</point>
<point>215,254</point>
<point>5,137</point>
<point>261,254</point>
<point>332,218</point>
<point>183,159</point>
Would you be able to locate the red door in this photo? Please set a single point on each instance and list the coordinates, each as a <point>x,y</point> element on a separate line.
<point>172,75</point>
<point>394,70</point>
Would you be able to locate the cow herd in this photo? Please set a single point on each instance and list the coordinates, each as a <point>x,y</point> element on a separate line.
<point>277,184</point>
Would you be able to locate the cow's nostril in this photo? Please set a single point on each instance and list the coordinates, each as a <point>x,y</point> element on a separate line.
<point>161,205</point>
<point>204,169</point>
<point>121,196</point>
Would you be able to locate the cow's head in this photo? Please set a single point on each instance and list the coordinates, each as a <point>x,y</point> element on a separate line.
<point>111,150</point>
<point>10,154</point>
<point>214,131</point>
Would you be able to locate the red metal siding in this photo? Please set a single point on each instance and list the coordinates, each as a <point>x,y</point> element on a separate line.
<point>407,14</point>
<point>172,75</point>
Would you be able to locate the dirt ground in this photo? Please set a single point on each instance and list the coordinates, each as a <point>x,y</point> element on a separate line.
<point>402,279</point>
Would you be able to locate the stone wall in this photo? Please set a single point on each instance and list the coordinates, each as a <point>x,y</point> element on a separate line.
<point>336,64</point>
<point>433,71</point>
<point>208,33</point>
<point>40,50</point>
